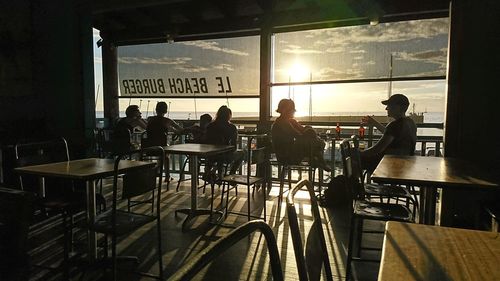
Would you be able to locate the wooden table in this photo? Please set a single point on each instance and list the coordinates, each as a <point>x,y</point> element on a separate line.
<point>194,151</point>
<point>430,173</point>
<point>87,170</point>
<point>423,252</point>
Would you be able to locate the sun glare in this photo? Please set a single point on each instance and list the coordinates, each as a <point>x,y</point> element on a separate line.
<point>298,72</point>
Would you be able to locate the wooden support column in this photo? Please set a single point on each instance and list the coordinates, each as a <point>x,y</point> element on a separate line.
<point>471,121</point>
<point>265,79</point>
<point>110,80</point>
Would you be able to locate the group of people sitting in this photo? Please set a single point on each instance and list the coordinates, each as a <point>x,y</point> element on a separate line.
<point>292,141</point>
<point>209,131</point>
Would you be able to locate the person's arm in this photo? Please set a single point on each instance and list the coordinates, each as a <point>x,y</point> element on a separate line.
<point>174,126</point>
<point>295,128</point>
<point>372,122</point>
<point>234,136</point>
<point>379,147</point>
<point>139,122</point>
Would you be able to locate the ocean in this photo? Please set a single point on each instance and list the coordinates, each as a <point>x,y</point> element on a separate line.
<point>429,117</point>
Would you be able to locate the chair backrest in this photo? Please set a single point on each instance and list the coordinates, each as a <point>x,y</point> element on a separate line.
<point>194,265</point>
<point>38,153</point>
<point>121,140</point>
<point>103,144</point>
<point>140,181</point>
<point>16,212</point>
<point>315,256</point>
<point>148,140</point>
<point>351,168</point>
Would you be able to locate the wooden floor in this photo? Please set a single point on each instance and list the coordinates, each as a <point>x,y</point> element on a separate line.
<point>245,261</point>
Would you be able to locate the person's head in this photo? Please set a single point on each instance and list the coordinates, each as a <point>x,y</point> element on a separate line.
<point>161,108</point>
<point>396,105</point>
<point>223,114</point>
<point>205,119</point>
<point>286,107</point>
<point>133,111</point>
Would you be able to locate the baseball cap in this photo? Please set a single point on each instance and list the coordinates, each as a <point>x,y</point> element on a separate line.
<point>397,99</point>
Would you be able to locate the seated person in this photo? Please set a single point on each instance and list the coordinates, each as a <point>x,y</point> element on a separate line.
<point>158,126</point>
<point>293,142</point>
<point>199,132</point>
<point>125,127</point>
<point>222,131</point>
<point>399,137</point>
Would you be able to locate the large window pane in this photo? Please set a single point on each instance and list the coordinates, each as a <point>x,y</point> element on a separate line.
<point>418,48</point>
<point>216,68</point>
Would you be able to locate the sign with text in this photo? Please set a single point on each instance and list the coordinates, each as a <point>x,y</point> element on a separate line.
<point>214,68</point>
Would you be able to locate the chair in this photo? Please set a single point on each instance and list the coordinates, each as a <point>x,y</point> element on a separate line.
<point>53,195</point>
<point>197,263</point>
<point>387,192</point>
<point>116,222</point>
<point>363,209</point>
<point>315,256</point>
<point>257,157</point>
<point>287,168</point>
<point>16,212</point>
<point>149,141</point>
<point>121,141</point>
<point>102,143</point>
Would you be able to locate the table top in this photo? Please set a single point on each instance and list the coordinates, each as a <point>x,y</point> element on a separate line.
<point>198,149</point>
<point>424,252</point>
<point>252,135</point>
<point>83,169</point>
<point>431,171</point>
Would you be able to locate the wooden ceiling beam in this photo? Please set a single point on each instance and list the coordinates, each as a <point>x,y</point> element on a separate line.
<point>100,7</point>
<point>313,16</point>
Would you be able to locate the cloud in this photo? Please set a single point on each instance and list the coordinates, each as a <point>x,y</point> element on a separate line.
<point>223,66</point>
<point>438,57</point>
<point>213,46</point>
<point>329,73</point>
<point>188,68</point>
<point>337,49</point>
<point>97,60</point>
<point>382,33</point>
<point>148,60</point>
<point>297,50</point>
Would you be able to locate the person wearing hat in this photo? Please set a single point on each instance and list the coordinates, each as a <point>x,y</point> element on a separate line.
<point>293,142</point>
<point>399,137</point>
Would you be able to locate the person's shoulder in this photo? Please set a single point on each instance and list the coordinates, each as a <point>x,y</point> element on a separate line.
<point>409,120</point>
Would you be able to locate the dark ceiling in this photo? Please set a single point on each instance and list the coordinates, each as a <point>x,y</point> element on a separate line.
<point>142,21</point>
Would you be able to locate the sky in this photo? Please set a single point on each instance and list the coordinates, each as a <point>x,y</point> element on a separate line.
<point>418,48</point>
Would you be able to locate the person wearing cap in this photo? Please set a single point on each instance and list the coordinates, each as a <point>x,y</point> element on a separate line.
<point>293,142</point>
<point>399,137</point>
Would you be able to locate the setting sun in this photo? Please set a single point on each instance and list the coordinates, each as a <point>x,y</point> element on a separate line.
<point>298,72</point>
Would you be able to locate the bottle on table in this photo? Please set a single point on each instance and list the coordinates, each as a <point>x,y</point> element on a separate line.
<point>361,131</point>
<point>337,130</point>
